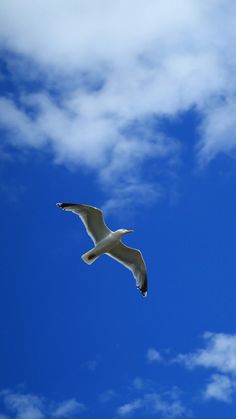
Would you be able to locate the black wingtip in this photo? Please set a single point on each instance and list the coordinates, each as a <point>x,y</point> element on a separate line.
<point>144,287</point>
<point>143,291</point>
<point>63,205</point>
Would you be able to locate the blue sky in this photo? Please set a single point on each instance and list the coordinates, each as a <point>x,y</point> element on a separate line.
<point>130,109</point>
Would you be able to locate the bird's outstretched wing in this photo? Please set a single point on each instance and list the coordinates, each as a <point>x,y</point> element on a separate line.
<point>133,260</point>
<point>92,219</point>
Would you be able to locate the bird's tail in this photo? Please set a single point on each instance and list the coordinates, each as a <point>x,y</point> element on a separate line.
<point>90,257</point>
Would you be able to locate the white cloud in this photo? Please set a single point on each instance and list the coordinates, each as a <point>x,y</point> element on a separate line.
<point>168,405</point>
<point>219,354</point>
<point>128,408</point>
<point>220,387</point>
<point>106,71</point>
<point>24,406</point>
<point>153,355</point>
<point>68,408</point>
<point>218,130</point>
<point>31,406</point>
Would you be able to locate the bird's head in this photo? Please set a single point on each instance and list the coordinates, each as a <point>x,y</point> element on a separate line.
<point>123,231</point>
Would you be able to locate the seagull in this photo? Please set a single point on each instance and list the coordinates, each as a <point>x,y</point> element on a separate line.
<point>109,242</point>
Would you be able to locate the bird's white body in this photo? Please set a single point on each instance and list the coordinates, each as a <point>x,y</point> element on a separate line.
<point>109,242</point>
<point>103,246</point>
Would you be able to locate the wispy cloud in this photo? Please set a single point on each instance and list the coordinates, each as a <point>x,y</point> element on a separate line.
<point>218,130</point>
<point>217,354</point>
<point>153,355</point>
<point>24,406</point>
<point>138,383</point>
<point>103,88</point>
<point>220,387</point>
<point>168,405</point>
<point>31,406</point>
<point>68,408</point>
<point>131,407</point>
<point>107,396</point>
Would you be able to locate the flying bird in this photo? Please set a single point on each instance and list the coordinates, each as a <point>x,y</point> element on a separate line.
<point>109,242</point>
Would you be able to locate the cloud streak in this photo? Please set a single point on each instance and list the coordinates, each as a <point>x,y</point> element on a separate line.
<point>31,406</point>
<point>168,405</point>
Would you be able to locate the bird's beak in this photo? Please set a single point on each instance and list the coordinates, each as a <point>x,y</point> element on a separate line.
<point>130,231</point>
